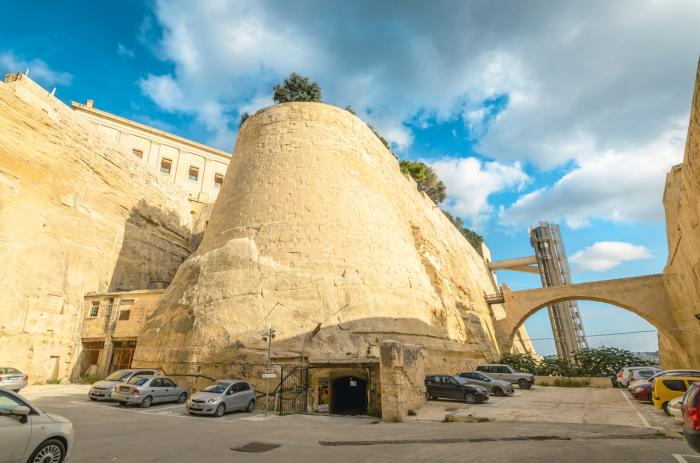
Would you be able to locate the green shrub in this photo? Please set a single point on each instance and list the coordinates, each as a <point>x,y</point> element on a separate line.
<point>412,413</point>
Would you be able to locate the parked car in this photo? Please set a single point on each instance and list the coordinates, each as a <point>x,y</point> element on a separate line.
<point>147,390</point>
<point>642,392</point>
<point>224,395</point>
<point>524,380</point>
<point>665,388</point>
<point>494,386</point>
<point>675,408</point>
<point>691,416</point>
<point>624,375</point>
<point>102,390</point>
<point>453,387</point>
<point>633,384</point>
<point>29,435</point>
<point>12,378</point>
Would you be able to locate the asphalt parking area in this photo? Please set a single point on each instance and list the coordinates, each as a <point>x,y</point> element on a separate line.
<point>169,410</point>
<point>165,433</point>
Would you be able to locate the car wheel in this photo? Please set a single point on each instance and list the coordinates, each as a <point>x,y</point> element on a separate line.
<point>50,451</point>
<point>428,396</point>
<point>251,406</point>
<point>664,407</point>
<point>122,403</point>
<point>470,398</point>
<point>524,384</point>
<point>93,399</point>
<point>182,398</point>
<point>498,392</point>
<point>147,401</point>
<point>220,410</point>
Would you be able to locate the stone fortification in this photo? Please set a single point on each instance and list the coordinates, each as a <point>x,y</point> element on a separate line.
<point>318,235</point>
<point>77,214</point>
<point>682,272</point>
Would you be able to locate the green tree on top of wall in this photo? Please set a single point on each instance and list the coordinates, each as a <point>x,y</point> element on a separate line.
<point>426,179</point>
<point>473,237</point>
<point>297,88</point>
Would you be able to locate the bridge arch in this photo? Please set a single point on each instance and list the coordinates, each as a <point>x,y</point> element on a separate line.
<point>644,296</point>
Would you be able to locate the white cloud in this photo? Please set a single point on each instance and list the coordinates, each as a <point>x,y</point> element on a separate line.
<point>619,186</point>
<point>593,84</point>
<point>124,51</point>
<point>38,70</point>
<point>470,182</point>
<point>605,255</point>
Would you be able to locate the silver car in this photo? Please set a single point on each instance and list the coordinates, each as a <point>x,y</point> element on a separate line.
<point>12,378</point>
<point>102,390</point>
<point>494,386</point>
<point>222,396</point>
<point>147,390</point>
<point>29,435</point>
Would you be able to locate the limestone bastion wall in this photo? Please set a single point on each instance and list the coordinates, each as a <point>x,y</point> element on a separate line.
<point>318,235</point>
<point>682,272</point>
<point>77,214</point>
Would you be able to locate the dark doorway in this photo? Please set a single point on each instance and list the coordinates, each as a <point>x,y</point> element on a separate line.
<point>349,396</point>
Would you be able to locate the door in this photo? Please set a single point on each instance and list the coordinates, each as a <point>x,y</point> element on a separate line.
<point>157,390</point>
<point>451,387</point>
<point>434,386</point>
<point>238,396</point>
<point>169,390</point>
<point>14,436</point>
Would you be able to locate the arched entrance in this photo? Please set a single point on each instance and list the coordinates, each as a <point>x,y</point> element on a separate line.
<point>348,396</point>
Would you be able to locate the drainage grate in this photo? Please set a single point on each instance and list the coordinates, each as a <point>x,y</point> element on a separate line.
<point>486,439</point>
<point>255,447</point>
<point>451,409</point>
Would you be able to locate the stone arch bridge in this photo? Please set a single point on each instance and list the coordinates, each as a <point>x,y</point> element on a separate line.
<point>645,296</point>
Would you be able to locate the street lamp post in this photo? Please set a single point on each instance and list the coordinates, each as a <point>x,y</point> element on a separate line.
<point>267,336</point>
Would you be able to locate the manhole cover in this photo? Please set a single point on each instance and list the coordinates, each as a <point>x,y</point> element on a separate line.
<point>255,447</point>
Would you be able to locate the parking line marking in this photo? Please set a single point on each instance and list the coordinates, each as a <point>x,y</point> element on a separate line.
<point>679,458</point>
<point>167,408</point>
<point>639,415</point>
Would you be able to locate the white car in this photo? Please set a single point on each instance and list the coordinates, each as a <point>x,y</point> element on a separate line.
<point>624,375</point>
<point>29,435</point>
<point>674,408</point>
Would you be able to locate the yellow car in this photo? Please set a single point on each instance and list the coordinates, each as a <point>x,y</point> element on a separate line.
<point>665,388</point>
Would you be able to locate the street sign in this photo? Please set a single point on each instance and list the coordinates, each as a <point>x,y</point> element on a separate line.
<point>269,375</point>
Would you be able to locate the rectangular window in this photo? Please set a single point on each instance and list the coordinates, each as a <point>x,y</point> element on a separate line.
<point>218,180</point>
<point>193,173</point>
<point>94,309</point>
<point>137,153</point>
<point>124,314</point>
<point>165,165</point>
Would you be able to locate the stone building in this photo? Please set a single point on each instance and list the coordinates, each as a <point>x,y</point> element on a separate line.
<point>196,168</point>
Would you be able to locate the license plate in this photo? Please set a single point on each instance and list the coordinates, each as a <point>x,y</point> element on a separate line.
<point>98,394</point>
<point>193,407</point>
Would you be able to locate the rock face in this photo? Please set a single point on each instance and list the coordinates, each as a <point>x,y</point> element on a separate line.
<point>77,214</point>
<point>318,235</point>
<point>682,272</point>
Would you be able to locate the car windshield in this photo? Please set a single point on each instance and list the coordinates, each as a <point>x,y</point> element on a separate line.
<point>216,388</point>
<point>9,371</point>
<point>482,377</point>
<point>137,380</point>
<point>120,375</point>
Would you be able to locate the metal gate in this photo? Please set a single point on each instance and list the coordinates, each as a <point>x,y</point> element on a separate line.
<point>293,390</point>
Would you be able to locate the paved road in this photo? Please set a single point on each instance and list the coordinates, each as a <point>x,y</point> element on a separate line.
<point>163,433</point>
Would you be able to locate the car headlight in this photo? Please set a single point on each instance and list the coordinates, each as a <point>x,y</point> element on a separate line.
<point>213,400</point>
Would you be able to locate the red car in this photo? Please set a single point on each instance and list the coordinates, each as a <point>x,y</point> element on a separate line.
<point>642,392</point>
<point>691,416</point>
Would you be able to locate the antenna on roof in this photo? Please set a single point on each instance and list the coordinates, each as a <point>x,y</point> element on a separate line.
<point>26,72</point>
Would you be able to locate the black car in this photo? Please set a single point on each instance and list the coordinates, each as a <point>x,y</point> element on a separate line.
<point>453,387</point>
<point>691,416</point>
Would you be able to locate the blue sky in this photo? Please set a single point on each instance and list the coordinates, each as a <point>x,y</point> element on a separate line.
<point>570,112</point>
